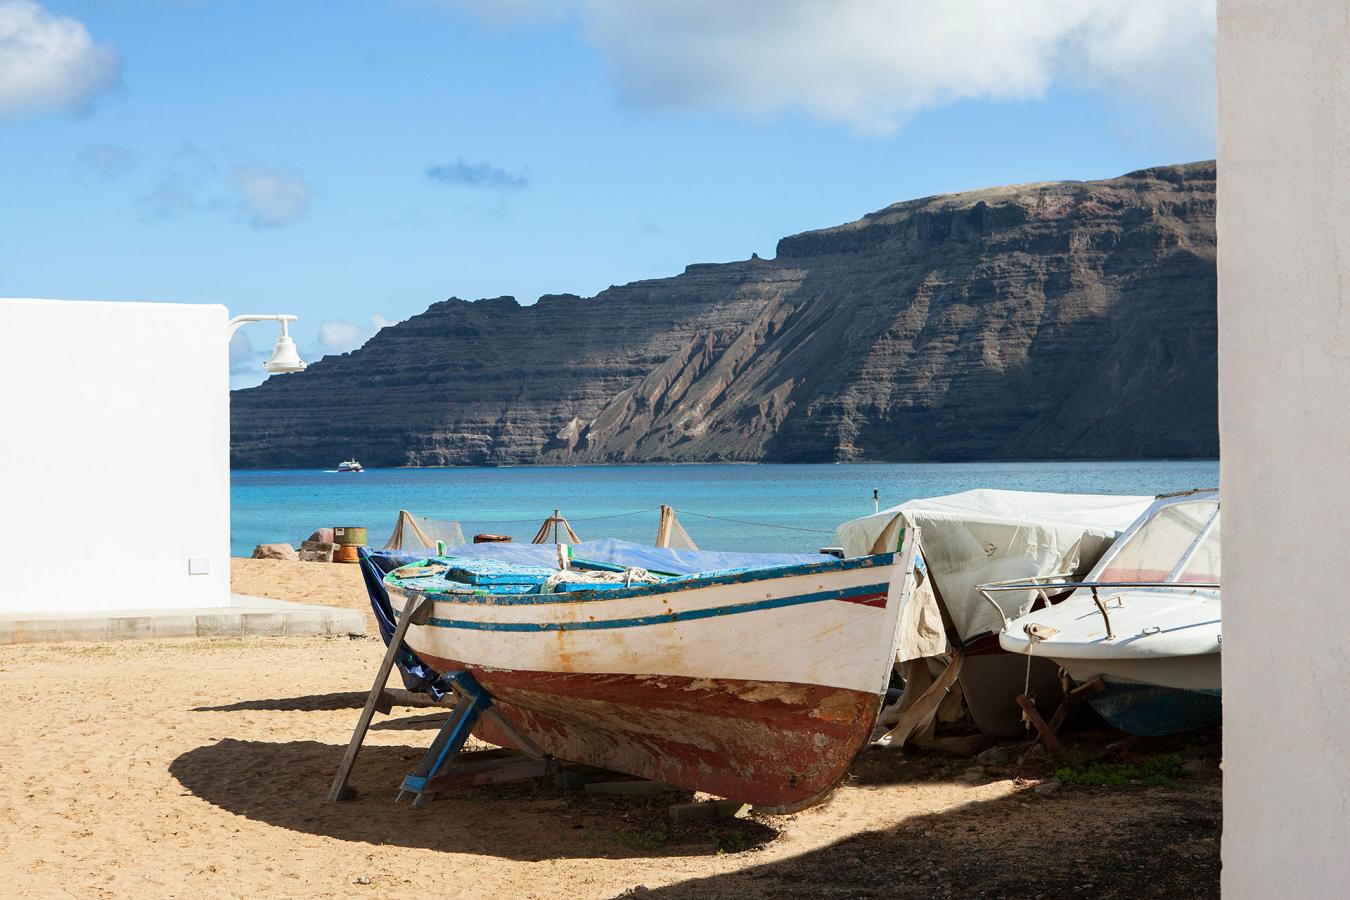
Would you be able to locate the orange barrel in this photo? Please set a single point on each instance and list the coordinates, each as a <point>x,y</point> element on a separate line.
<point>350,534</point>
<point>345,553</point>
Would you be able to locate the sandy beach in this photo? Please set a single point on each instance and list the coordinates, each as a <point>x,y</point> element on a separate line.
<point>199,767</point>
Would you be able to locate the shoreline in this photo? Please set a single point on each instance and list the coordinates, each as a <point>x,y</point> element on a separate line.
<point>756,462</point>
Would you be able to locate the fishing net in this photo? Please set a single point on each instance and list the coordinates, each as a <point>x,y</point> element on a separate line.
<point>415,533</point>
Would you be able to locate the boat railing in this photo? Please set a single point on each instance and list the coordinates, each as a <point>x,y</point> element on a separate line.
<point>1025,583</point>
<point>1044,589</point>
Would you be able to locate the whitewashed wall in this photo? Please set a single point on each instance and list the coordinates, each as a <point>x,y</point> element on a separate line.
<point>1284,376</point>
<point>114,455</point>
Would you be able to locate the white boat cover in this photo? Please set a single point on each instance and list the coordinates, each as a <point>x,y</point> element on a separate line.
<point>980,536</point>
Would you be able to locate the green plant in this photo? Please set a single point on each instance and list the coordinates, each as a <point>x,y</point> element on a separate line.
<point>1157,770</point>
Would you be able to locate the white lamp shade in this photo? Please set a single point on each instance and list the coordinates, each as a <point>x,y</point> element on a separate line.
<point>284,357</point>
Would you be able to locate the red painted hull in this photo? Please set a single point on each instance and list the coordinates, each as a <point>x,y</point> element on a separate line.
<point>777,746</point>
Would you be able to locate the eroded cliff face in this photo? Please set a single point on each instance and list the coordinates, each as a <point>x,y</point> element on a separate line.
<point>1046,321</point>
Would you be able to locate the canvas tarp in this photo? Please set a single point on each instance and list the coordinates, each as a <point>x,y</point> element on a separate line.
<point>989,535</point>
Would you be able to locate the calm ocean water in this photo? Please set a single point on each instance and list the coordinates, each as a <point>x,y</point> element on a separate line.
<point>777,507</point>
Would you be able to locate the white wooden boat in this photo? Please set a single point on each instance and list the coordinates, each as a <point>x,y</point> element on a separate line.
<point>759,685</point>
<point>1146,620</point>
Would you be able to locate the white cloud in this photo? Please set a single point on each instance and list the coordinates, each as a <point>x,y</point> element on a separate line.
<point>50,63</point>
<point>341,336</point>
<point>272,197</point>
<point>872,64</point>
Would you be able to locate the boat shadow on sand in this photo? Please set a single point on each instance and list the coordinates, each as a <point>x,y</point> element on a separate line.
<point>1079,842</point>
<point>285,784</point>
<point>305,703</point>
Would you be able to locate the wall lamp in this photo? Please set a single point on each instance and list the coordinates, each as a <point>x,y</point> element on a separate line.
<point>284,356</point>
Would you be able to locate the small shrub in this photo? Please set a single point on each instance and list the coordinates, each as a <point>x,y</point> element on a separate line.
<point>1158,770</point>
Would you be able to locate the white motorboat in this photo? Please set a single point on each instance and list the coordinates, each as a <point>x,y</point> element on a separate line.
<point>1146,620</point>
<point>350,465</point>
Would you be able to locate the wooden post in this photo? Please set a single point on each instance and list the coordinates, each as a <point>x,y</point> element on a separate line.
<point>416,613</point>
<point>663,527</point>
<point>1073,698</point>
<point>1047,734</point>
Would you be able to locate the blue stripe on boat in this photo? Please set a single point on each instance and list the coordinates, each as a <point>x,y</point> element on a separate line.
<point>856,593</point>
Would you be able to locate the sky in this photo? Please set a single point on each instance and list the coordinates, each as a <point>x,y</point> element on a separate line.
<point>354,162</point>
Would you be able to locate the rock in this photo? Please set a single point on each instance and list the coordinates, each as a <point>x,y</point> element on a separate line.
<point>1047,787</point>
<point>1000,755</point>
<point>361,879</point>
<point>974,775</point>
<point>317,551</point>
<point>323,535</point>
<point>275,551</point>
<point>1058,320</point>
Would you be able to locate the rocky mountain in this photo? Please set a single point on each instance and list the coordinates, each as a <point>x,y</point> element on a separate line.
<point>1041,321</point>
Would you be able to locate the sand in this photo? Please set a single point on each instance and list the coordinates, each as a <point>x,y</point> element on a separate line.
<point>199,768</point>
<point>328,584</point>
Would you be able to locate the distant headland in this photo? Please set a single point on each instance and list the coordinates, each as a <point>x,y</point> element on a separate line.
<point>1063,320</point>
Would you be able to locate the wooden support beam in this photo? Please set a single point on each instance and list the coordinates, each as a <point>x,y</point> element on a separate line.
<point>1072,699</point>
<point>492,771</point>
<point>1051,741</point>
<point>416,614</point>
<point>704,811</point>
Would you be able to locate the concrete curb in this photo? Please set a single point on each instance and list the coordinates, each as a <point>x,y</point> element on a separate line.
<point>246,617</point>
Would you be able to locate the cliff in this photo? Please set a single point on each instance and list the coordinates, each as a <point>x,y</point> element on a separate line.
<point>1043,321</point>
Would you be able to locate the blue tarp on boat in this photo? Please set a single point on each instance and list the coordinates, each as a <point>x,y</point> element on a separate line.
<point>626,553</point>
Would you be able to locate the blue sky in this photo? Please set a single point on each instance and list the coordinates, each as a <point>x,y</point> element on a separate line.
<point>353,163</point>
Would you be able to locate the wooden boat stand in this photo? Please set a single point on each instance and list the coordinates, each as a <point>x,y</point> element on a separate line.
<point>1049,732</point>
<point>440,766</point>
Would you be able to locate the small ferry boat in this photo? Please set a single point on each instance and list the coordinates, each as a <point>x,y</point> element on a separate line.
<point>350,465</point>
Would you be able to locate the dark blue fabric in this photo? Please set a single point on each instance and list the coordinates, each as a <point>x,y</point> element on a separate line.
<point>375,564</point>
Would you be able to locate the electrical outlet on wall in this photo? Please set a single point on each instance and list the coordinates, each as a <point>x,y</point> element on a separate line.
<point>199,565</point>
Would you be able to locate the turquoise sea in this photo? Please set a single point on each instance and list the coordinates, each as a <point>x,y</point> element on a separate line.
<point>723,507</point>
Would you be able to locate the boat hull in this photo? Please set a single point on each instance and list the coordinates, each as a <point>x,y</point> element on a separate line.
<point>763,743</point>
<point>759,689</point>
<point>1200,672</point>
<point>1154,696</point>
<point>1150,711</point>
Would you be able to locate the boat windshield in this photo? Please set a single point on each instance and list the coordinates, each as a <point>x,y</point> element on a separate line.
<point>1157,549</point>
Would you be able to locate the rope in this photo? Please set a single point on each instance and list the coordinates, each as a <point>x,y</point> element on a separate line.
<point>636,512</point>
<point>754,524</point>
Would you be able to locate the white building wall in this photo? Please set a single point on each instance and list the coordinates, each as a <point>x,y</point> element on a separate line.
<point>1284,376</point>
<point>114,455</point>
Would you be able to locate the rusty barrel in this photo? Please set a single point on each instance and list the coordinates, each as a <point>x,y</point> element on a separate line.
<point>348,538</point>
<point>349,534</point>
